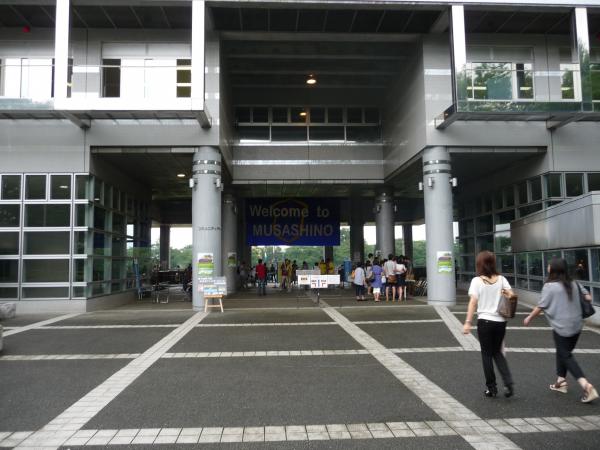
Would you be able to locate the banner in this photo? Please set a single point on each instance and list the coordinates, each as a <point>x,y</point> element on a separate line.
<point>293,221</point>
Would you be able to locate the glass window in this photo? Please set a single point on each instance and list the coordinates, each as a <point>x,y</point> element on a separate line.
<point>60,187</point>
<point>11,187</point>
<point>298,115</point>
<point>46,292</point>
<point>593,181</point>
<point>9,243</point>
<point>118,269</point>
<point>466,227</point>
<point>522,283</point>
<point>486,203</point>
<point>522,192</point>
<point>536,189</point>
<point>242,114</point>
<point>498,200</point>
<point>326,133</point>
<point>567,85</point>
<point>47,215</point>
<point>108,196</point>
<point>98,270</point>
<point>504,219</point>
<point>530,209</point>
<point>79,240</point>
<point>468,263</point>
<point>98,194</point>
<point>485,224</point>
<point>111,78</point>
<point>289,134</point>
<point>553,185</point>
<point>184,78</point>
<point>574,183</point>
<point>317,115</point>
<point>81,187</point>
<point>485,243</point>
<point>118,223</point>
<point>577,262</point>
<point>536,285</point>
<point>101,244</point>
<point>254,133</point>
<point>46,243</point>
<point>118,246</point>
<point>509,196</point>
<point>503,242</point>
<point>99,218</point>
<point>535,264</point>
<point>548,257</point>
<point>10,215</point>
<point>35,187</point>
<point>79,270</point>
<point>491,81</point>
<point>467,246</point>
<point>335,115</point>
<point>260,115</point>
<point>595,264</point>
<point>9,271</point>
<point>45,270</point>
<point>80,215</point>
<point>521,260</point>
<point>9,292</point>
<point>524,76</point>
<point>280,115</point>
<point>354,115</point>
<point>371,115</point>
<point>505,264</point>
<point>363,134</point>
<point>78,291</point>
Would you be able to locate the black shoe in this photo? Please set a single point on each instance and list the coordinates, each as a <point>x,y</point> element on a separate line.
<point>491,392</point>
<point>509,391</point>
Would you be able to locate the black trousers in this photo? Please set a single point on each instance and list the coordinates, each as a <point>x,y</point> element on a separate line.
<point>491,335</point>
<point>565,361</point>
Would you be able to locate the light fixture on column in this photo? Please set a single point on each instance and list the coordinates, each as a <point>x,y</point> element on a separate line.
<point>420,185</point>
<point>311,80</point>
<point>191,183</point>
<point>181,175</point>
<point>430,182</point>
<point>454,182</point>
<point>218,183</point>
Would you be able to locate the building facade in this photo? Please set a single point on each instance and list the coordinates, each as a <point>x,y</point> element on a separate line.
<point>115,117</point>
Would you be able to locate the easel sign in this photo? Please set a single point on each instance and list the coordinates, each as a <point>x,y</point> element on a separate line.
<point>216,289</point>
<point>318,281</point>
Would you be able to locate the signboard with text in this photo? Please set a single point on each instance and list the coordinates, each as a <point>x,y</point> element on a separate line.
<point>293,221</point>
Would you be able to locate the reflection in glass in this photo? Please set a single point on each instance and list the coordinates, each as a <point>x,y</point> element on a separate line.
<point>79,270</point>
<point>98,270</point>
<point>9,243</point>
<point>577,262</point>
<point>60,187</point>
<point>503,241</point>
<point>11,187</point>
<point>595,265</point>
<point>536,188</point>
<point>81,187</point>
<point>521,261</point>
<point>46,292</point>
<point>553,185</point>
<point>535,264</point>
<point>574,183</point>
<point>47,215</point>
<point>485,243</point>
<point>79,240</point>
<point>46,243</point>
<point>593,182</point>
<point>9,271</point>
<point>548,256</point>
<point>9,292</point>
<point>505,264</point>
<point>10,215</point>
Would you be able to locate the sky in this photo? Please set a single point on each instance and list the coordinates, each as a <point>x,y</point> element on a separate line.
<point>182,236</point>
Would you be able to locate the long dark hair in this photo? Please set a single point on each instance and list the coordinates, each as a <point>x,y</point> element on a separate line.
<point>486,264</point>
<point>559,273</point>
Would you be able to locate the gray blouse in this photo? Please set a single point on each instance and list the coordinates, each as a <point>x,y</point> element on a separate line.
<point>564,315</point>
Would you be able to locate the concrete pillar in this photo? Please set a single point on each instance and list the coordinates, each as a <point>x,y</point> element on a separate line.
<point>229,241</point>
<point>165,246</point>
<point>206,214</point>
<point>61,48</point>
<point>357,233</point>
<point>384,222</point>
<point>408,240</point>
<point>437,193</point>
<point>328,252</point>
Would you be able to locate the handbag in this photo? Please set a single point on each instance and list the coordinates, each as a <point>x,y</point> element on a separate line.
<point>383,279</point>
<point>391,279</point>
<point>587,309</point>
<point>507,306</point>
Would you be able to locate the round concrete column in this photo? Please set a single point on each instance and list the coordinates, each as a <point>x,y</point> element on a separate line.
<point>384,223</point>
<point>437,193</point>
<point>206,213</point>
<point>229,241</point>
<point>357,234</point>
<point>408,240</point>
<point>165,246</point>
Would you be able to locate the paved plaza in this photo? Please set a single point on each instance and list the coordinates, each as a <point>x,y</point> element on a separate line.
<point>281,372</point>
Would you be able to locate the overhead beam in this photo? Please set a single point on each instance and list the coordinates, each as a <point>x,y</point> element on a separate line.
<point>554,125</point>
<point>137,18</point>
<point>441,24</point>
<point>20,16</point>
<point>204,118</point>
<point>263,36</point>
<point>316,57</point>
<point>84,124</point>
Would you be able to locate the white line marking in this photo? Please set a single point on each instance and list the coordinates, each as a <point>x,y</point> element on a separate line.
<point>91,327</point>
<point>69,356</point>
<point>39,324</point>
<point>61,428</point>
<point>478,429</point>
<point>377,322</point>
<point>266,324</point>
<point>468,341</point>
<point>442,403</point>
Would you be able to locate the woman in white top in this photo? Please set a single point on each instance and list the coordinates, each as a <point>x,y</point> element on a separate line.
<point>484,296</point>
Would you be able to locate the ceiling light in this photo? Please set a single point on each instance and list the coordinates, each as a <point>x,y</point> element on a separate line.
<point>311,79</point>
<point>181,175</point>
<point>64,187</point>
<point>302,113</point>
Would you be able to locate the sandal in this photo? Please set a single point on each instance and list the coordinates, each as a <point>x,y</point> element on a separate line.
<point>589,394</point>
<point>560,386</point>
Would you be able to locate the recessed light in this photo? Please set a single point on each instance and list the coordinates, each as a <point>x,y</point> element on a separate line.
<point>64,187</point>
<point>181,175</point>
<point>303,114</point>
<point>311,79</point>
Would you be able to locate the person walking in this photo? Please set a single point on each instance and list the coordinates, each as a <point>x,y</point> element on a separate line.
<point>389,267</point>
<point>484,296</point>
<point>561,303</point>
<point>359,282</point>
<point>261,277</point>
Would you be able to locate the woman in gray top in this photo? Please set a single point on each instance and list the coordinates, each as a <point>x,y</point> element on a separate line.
<point>562,308</point>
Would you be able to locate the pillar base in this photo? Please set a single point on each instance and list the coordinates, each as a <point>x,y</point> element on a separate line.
<point>441,302</point>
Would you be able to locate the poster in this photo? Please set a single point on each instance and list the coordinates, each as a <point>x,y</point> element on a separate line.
<point>217,286</point>
<point>232,259</point>
<point>444,262</point>
<point>206,266</point>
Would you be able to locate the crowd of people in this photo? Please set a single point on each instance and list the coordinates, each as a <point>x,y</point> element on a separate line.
<point>562,301</point>
<point>382,277</point>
